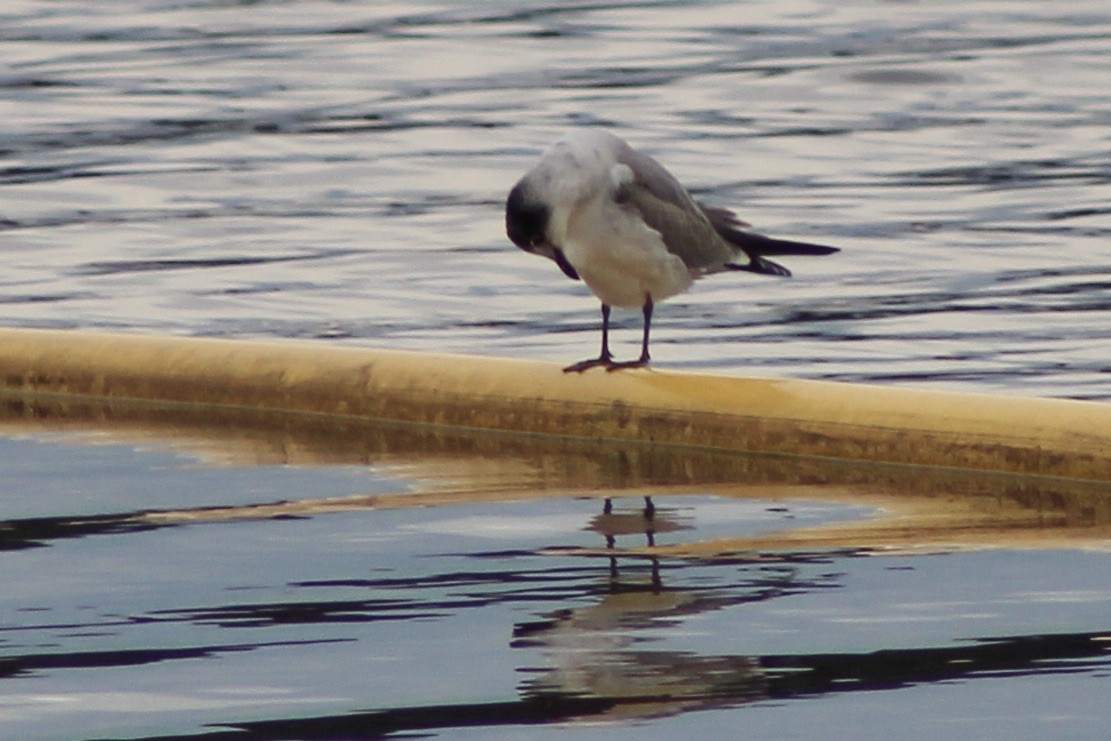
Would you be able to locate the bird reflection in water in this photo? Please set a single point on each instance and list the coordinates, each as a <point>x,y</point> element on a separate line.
<point>611,525</point>
<point>597,650</point>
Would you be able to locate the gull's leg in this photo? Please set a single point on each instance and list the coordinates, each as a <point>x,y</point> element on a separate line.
<point>644,358</point>
<point>605,358</point>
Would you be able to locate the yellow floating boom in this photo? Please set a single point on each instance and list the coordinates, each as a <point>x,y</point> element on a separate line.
<point>1050,437</point>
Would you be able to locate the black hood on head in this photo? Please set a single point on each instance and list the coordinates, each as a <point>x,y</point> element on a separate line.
<point>526,220</point>
<point>526,223</point>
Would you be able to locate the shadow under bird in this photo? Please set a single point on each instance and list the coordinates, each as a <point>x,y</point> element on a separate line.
<point>614,218</point>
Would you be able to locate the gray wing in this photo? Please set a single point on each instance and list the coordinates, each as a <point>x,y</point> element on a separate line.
<point>707,239</point>
<point>664,204</point>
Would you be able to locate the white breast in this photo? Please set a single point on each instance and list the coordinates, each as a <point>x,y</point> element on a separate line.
<point>621,258</point>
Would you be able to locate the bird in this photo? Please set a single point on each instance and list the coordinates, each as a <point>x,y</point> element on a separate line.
<point>616,219</point>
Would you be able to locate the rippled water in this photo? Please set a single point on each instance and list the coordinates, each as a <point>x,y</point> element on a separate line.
<point>205,578</point>
<point>337,171</point>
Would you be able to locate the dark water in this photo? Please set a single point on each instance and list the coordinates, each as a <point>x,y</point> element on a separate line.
<point>149,596</point>
<point>335,171</point>
<point>282,578</point>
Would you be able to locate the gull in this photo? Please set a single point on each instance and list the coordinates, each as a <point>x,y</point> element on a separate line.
<point>614,218</point>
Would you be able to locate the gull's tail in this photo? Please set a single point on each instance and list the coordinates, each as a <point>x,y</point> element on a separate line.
<point>756,246</point>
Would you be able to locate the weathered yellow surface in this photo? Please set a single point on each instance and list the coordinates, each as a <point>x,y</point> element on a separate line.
<point>913,509</point>
<point>809,418</point>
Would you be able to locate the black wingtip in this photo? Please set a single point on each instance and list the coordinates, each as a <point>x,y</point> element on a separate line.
<point>762,245</point>
<point>762,267</point>
<point>758,244</point>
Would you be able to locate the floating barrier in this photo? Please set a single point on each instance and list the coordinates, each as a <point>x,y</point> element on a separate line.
<point>1044,437</point>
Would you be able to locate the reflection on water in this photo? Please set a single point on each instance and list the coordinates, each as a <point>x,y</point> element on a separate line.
<point>653,684</point>
<point>924,507</point>
<point>312,580</point>
<point>337,171</point>
<point>460,467</point>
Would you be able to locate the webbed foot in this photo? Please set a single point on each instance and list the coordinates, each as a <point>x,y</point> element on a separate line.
<point>585,365</point>
<point>639,363</point>
<point>608,363</point>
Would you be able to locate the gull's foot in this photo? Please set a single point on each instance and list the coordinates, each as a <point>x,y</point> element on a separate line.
<point>641,363</point>
<point>585,365</point>
<point>606,362</point>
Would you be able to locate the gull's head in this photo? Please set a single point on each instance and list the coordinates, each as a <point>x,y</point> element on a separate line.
<point>529,222</point>
<point>573,170</point>
<point>526,218</point>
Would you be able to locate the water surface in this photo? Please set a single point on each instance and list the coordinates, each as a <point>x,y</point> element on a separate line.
<point>337,171</point>
<point>259,576</point>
